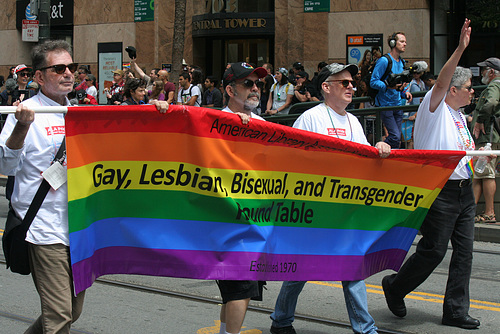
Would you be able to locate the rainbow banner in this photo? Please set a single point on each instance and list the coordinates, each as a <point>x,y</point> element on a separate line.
<point>194,193</point>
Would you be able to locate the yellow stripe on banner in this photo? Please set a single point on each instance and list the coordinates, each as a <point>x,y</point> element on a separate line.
<point>240,184</point>
<point>423,296</point>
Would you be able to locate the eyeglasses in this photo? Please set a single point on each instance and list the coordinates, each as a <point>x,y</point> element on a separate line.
<point>88,80</point>
<point>469,88</point>
<point>24,74</point>
<point>344,83</point>
<point>249,83</point>
<point>61,68</point>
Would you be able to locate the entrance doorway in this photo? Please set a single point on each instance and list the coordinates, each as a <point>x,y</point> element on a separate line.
<point>255,51</point>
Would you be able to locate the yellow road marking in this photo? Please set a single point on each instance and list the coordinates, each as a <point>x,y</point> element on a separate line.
<point>423,296</point>
<point>215,329</point>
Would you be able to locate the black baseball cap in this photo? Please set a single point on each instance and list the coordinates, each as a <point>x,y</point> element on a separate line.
<point>242,70</point>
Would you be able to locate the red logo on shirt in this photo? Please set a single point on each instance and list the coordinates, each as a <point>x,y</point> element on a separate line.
<point>55,130</point>
<point>336,132</point>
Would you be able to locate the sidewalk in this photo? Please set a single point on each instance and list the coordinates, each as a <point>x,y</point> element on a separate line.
<point>483,232</point>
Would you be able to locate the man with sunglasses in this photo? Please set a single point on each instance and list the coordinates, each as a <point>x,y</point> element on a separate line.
<point>241,92</point>
<point>330,118</point>
<point>441,126</point>
<point>28,146</point>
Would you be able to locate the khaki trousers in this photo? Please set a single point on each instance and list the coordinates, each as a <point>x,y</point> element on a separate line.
<point>51,272</point>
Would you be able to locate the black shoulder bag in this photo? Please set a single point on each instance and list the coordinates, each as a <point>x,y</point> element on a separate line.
<point>15,247</point>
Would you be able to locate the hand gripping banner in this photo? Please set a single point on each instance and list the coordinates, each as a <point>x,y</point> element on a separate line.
<point>195,193</point>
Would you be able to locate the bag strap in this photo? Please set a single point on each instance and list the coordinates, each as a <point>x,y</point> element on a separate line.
<point>388,68</point>
<point>42,191</point>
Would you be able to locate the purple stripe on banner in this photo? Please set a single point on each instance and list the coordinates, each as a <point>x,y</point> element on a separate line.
<point>237,265</point>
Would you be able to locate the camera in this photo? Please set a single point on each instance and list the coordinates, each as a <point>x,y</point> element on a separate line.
<point>395,79</point>
<point>81,94</point>
<point>132,52</point>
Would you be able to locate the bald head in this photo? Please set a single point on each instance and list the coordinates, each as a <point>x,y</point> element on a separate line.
<point>163,75</point>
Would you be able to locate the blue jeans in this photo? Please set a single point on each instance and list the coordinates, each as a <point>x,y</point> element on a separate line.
<point>392,121</point>
<point>355,300</point>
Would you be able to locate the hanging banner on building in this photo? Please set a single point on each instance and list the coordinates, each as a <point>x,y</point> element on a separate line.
<point>144,10</point>
<point>194,193</point>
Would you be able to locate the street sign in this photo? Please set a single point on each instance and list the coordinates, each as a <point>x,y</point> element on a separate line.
<point>144,10</point>
<point>315,6</point>
<point>30,30</point>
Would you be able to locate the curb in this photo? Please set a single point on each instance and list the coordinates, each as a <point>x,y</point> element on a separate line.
<point>487,233</point>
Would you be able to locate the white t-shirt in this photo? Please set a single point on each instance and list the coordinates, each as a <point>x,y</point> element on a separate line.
<point>42,142</point>
<point>252,115</point>
<point>324,120</point>
<point>92,91</point>
<point>280,93</point>
<point>440,131</point>
<point>185,95</point>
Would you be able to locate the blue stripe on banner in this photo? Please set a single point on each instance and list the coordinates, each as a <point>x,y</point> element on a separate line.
<point>227,237</point>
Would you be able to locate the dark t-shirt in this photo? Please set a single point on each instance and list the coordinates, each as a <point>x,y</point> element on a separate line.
<point>169,87</point>
<point>306,87</point>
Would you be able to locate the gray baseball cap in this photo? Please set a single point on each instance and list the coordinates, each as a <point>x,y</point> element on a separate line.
<point>334,68</point>
<point>492,62</point>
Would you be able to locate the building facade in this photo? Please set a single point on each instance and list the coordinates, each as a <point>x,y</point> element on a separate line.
<point>258,31</point>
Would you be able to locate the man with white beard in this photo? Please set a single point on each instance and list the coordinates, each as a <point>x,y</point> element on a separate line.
<point>243,97</point>
<point>240,88</point>
<point>487,109</point>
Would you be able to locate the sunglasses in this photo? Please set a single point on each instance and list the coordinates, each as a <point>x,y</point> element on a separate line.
<point>249,83</point>
<point>61,68</point>
<point>344,83</point>
<point>88,80</point>
<point>24,74</point>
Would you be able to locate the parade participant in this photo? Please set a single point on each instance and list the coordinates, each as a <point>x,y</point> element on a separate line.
<point>484,131</point>
<point>28,144</point>
<point>330,118</point>
<point>242,95</point>
<point>441,126</point>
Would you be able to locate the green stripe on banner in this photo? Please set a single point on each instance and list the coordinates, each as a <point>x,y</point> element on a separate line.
<point>189,206</point>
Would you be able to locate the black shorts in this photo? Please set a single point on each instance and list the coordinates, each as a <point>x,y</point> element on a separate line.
<point>237,290</point>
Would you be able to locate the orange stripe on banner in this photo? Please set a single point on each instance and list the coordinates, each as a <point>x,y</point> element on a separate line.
<point>216,153</point>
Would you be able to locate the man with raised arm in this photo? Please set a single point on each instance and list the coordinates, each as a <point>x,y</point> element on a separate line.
<point>441,126</point>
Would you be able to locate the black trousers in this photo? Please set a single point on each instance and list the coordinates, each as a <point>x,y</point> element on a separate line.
<point>451,217</point>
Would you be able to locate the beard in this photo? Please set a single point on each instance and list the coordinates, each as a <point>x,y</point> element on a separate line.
<point>485,80</point>
<point>249,103</point>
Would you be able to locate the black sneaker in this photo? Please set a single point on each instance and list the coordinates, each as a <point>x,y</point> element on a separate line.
<point>395,303</point>
<point>283,330</point>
